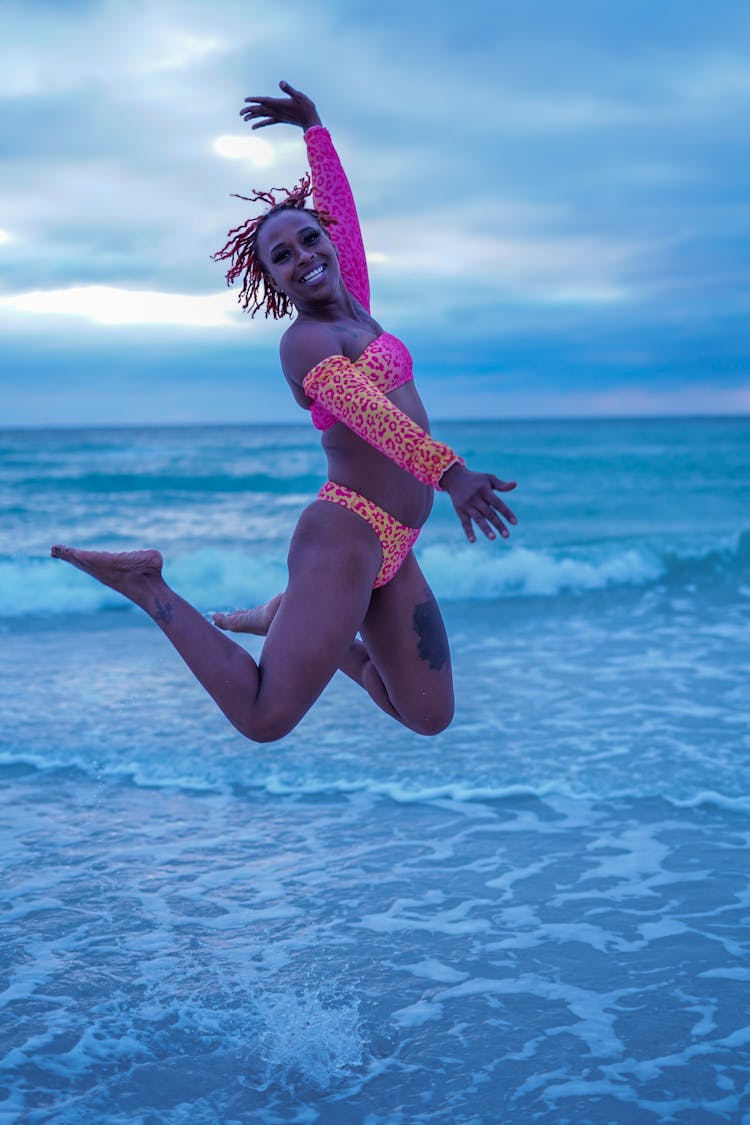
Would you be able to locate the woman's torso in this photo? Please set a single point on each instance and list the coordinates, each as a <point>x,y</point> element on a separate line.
<point>354,463</point>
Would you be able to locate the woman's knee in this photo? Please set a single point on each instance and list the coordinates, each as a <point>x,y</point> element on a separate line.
<point>267,726</point>
<point>432,720</point>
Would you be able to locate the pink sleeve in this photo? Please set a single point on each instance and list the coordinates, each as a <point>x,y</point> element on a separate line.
<point>333,195</point>
<point>343,388</point>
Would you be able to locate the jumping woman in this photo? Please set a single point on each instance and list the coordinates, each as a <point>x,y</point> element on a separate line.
<point>356,598</point>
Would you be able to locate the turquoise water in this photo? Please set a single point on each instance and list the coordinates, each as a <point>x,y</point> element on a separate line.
<point>541,915</point>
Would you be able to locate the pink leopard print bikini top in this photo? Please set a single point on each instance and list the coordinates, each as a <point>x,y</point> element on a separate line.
<point>386,360</point>
<point>387,363</point>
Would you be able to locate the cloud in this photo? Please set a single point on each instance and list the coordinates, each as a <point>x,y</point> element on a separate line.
<point>109,42</point>
<point>436,248</point>
<point>563,181</point>
<point>258,153</point>
<point>490,397</point>
<point>105,304</point>
<point>715,79</point>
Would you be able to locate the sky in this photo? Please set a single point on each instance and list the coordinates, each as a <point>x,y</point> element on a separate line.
<point>554,199</point>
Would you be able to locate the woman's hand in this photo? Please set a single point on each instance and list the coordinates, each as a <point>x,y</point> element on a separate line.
<point>295,109</point>
<point>473,497</point>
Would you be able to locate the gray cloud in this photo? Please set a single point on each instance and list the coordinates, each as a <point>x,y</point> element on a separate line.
<point>530,173</point>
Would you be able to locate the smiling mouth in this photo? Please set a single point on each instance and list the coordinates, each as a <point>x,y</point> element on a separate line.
<point>313,275</point>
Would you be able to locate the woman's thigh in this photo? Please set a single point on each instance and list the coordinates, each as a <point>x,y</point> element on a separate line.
<point>333,559</point>
<point>406,640</point>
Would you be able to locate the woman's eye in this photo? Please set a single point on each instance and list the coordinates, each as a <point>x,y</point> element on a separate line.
<point>313,236</point>
<point>279,257</point>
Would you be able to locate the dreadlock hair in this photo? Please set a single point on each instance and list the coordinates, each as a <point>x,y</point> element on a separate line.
<point>241,249</point>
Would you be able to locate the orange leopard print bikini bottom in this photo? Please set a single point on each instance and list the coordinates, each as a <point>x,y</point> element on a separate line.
<point>395,538</point>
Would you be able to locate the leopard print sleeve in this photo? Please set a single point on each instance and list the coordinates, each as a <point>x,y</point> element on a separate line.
<point>332,194</point>
<point>344,389</point>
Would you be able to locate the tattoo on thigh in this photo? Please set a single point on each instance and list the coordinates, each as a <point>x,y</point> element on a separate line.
<point>433,642</point>
<point>163,612</point>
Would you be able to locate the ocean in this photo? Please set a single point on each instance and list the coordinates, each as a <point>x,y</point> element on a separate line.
<point>541,915</point>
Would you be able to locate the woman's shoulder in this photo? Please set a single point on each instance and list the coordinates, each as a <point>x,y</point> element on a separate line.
<point>305,343</point>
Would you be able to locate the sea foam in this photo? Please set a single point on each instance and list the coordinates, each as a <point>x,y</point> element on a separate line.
<point>215,578</point>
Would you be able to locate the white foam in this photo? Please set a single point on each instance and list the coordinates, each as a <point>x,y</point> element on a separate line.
<point>217,577</point>
<point>432,969</point>
<point>417,1014</point>
<point>305,1037</point>
<point>213,578</point>
<point>210,579</point>
<point>519,571</point>
<point>593,1022</point>
<point>728,973</point>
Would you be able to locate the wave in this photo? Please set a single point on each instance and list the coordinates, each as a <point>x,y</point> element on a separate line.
<point>523,572</point>
<point>466,575</point>
<point>214,578</point>
<point>210,579</point>
<point>457,791</point>
<point>223,579</point>
<point>160,484</point>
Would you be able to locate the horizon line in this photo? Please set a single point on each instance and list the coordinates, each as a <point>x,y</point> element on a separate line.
<point>302,423</point>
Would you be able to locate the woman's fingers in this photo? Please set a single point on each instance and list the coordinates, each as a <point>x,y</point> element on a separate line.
<point>501,485</point>
<point>495,520</point>
<point>264,107</point>
<point>266,111</point>
<point>294,109</point>
<point>269,117</point>
<point>488,520</point>
<point>256,104</point>
<point>467,526</point>
<point>501,506</point>
<point>479,505</point>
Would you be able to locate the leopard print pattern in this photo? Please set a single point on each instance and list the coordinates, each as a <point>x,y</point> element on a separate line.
<point>386,362</point>
<point>345,390</point>
<point>333,195</point>
<point>395,538</point>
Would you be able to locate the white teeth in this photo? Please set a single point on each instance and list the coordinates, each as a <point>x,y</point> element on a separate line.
<point>313,275</point>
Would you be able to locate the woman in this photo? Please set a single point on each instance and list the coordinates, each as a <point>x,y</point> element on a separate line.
<point>352,570</point>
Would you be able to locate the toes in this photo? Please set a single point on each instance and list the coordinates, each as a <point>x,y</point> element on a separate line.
<point>238,622</point>
<point>234,621</point>
<point>229,621</point>
<point>61,552</point>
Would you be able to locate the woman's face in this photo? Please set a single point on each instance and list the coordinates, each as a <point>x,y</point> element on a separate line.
<point>298,256</point>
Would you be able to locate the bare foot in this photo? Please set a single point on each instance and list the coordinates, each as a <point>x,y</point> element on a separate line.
<point>257,621</point>
<point>122,571</point>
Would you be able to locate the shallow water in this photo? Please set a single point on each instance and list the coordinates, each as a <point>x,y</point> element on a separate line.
<point>541,915</point>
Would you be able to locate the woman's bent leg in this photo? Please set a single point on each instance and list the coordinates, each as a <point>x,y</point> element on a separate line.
<point>408,658</point>
<point>332,562</point>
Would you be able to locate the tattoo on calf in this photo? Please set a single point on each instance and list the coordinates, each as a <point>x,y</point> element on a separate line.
<point>433,642</point>
<point>162,613</point>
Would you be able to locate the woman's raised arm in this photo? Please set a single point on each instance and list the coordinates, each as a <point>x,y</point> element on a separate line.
<point>332,193</point>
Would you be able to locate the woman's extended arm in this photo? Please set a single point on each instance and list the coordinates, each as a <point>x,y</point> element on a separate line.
<point>331,191</point>
<point>343,387</point>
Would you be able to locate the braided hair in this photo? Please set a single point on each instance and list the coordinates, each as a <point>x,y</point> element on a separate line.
<point>241,249</point>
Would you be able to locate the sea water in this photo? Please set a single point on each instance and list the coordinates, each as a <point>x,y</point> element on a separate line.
<point>540,915</point>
